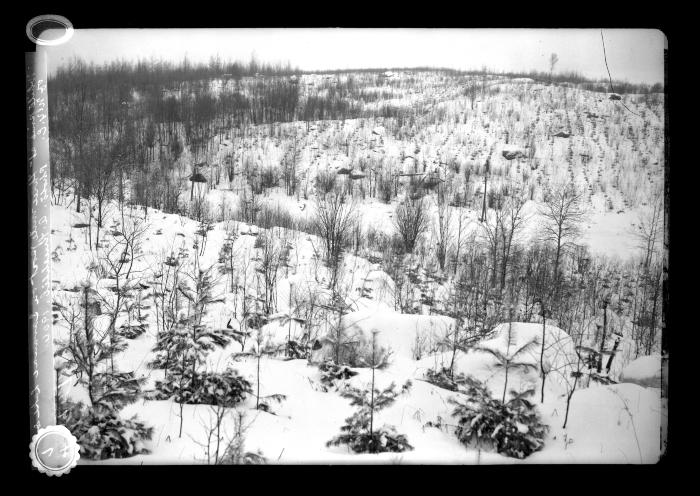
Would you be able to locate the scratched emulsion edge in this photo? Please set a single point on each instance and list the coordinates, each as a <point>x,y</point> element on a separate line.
<point>41,381</point>
<point>666,282</point>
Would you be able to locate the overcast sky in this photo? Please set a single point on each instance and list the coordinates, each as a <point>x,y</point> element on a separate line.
<point>633,55</point>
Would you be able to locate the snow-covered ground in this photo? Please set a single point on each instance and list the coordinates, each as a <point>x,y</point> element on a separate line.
<point>531,134</point>
<point>618,423</point>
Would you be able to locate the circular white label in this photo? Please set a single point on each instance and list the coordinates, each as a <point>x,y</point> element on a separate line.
<point>54,450</point>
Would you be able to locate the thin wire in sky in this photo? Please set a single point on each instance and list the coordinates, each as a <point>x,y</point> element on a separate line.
<point>612,89</point>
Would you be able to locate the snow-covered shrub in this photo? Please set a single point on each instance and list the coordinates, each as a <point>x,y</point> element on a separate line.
<point>325,182</point>
<point>102,434</point>
<point>359,353</point>
<point>256,321</point>
<point>513,428</point>
<point>276,215</point>
<point>212,387</point>
<point>233,457</point>
<point>114,390</point>
<point>234,452</point>
<point>348,346</point>
<point>359,433</point>
<point>385,186</point>
<point>411,221</point>
<point>228,448</point>
<point>269,178</point>
<point>131,331</point>
<point>444,379</point>
<point>331,373</point>
<point>297,350</point>
<point>179,346</point>
<point>208,388</point>
<point>384,439</point>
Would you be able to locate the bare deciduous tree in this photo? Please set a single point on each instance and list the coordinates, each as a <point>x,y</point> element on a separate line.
<point>333,222</point>
<point>649,231</point>
<point>411,220</point>
<point>268,266</point>
<point>222,447</point>
<point>502,230</point>
<point>563,214</point>
<point>443,233</point>
<point>553,59</point>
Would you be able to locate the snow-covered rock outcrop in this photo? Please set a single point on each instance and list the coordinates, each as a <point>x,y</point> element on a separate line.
<point>407,336</point>
<point>559,353</point>
<point>645,371</point>
<point>512,152</point>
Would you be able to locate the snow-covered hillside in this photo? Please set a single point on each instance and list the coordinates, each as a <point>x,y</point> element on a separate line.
<point>424,266</point>
<point>533,135</point>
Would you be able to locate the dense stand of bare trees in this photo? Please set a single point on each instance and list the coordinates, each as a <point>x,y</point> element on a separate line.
<point>122,132</point>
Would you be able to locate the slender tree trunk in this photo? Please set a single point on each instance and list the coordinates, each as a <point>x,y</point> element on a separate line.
<point>483,207</point>
<point>182,406</point>
<point>194,360</point>
<point>459,240</point>
<point>219,417</point>
<point>89,207</point>
<point>507,364</point>
<point>568,402</point>
<point>99,223</point>
<point>89,345</point>
<point>339,337</point>
<point>652,333</point>
<point>454,353</point>
<point>542,371</point>
<point>578,371</point>
<point>602,341</point>
<point>289,328</point>
<point>257,394</point>
<point>610,359</point>
<point>504,263</point>
<point>371,405</point>
<point>556,260</point>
